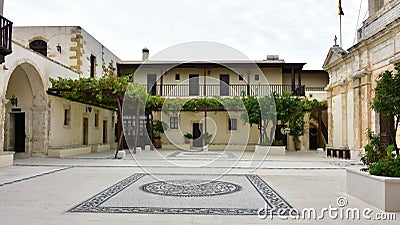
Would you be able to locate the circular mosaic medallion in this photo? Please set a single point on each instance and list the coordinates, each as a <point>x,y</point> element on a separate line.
<point>190,188</point>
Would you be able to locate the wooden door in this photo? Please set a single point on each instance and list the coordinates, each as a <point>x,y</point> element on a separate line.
<point>224,85</point>
<point>194,88</point>
<point>19,132</point>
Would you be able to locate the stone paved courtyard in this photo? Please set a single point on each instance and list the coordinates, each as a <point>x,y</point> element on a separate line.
<point>57,191</point>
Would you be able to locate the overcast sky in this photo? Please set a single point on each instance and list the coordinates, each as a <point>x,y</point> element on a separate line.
<point>296,30</point>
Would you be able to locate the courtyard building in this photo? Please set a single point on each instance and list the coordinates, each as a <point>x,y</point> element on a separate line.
<point>226,79</point>
<point>353,74</point>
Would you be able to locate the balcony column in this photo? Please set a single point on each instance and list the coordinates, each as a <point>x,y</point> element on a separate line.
<point>205,82</point>
<point>248,83</point>
<point>293,81</point>
<point>161,82</point>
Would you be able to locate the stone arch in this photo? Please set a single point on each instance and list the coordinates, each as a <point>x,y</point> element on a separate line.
<point>26,82</point>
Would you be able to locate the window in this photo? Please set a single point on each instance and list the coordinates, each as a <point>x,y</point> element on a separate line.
<point>177,76</point>
<point>67,117</point>
<point>232,124</point>
<point>92,65</point>
<point>96,119</point>
<point>257,77</point>
<point>39,46</point>
<point>240,76</point>
<point>173,123</point>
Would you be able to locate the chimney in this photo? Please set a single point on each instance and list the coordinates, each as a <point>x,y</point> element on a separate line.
<point>145,54</point>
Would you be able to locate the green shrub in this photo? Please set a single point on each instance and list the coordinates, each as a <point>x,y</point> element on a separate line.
<point>277,143</point>
<point>188,136</point>
<point>389,167</point>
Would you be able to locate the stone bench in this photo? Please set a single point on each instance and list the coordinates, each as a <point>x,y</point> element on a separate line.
<point>6,159</point>
<point>67,151</point>
<point>341,153</point>
<point>101,147</point>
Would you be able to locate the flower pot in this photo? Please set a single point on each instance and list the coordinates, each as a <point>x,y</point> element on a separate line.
<point>187,140</point>
<point>157,142</point>
<point>297,145</point>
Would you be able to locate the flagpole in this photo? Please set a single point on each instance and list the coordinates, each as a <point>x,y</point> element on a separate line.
<point>341,37</point>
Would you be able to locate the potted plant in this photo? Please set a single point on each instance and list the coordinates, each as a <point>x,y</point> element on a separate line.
<point>207,138</point>
<point>382,175</point>
<point>159,128</point>
<point>188,137</point>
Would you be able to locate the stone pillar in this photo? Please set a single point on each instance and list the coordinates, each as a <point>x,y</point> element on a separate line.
<point>344,113</point>
<point>39,134</point>
<point>330,115</point>
<point>357,113</point>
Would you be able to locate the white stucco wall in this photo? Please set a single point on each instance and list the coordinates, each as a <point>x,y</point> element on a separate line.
<point>337,120</point>
<point>61,135</point>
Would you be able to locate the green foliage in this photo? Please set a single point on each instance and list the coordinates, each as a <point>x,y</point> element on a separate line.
<point>380,160</point>
<point>387,97</point>
<point>374,151</point>
<point>277,143</point>
<point>389,167</point>
<point>92,91</point>
<point>188,136</point>
<point>291,111</point>
<point>207,136</point>
<point>160,127</point>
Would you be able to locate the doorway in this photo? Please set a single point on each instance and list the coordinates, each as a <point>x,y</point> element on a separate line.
<point>194,85</point>
<point>197,139</point>
<point>85,131</point>
<point>17,131</point>
<point>386,130</point>
<point>152,84</point>
<point>224,85</point>
<point>313,138</point>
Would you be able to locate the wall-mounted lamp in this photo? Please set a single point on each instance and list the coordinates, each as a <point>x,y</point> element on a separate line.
<point>58,48</point>
<point>14,101</point>
<point>88,109</point>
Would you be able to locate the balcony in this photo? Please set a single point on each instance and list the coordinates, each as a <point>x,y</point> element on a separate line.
<point>5,38</point>
<point>210,90</point>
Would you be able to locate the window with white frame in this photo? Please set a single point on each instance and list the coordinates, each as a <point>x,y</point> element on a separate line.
<point>174,122</point>
<point>232,124</point>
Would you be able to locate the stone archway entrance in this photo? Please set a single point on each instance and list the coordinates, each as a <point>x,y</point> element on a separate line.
<point>25,117</point>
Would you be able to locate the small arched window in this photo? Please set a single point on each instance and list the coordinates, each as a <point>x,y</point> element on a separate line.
<point>39,46</point>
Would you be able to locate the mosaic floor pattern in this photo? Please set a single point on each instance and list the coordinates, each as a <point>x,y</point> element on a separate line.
<point>185,194</point>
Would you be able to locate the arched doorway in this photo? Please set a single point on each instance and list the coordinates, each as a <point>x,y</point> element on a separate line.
<point>25,122</point>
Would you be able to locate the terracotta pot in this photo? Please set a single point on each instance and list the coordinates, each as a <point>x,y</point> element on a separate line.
<point>297,145</point>
<point>157,142</point>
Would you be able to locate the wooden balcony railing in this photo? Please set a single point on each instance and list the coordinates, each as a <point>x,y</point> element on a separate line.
<point>5,38</point>
<point>212,90</point>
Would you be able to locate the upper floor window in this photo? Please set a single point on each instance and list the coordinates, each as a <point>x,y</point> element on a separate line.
<point>177,76</point>
<point>92,65</point>
<point>257,77</point>
<point>39,46</point>
<point>240,77</point>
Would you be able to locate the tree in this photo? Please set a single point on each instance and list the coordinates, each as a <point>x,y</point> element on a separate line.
<point>387,98</point>
<point>262,112</point>
<point>291,111</point>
